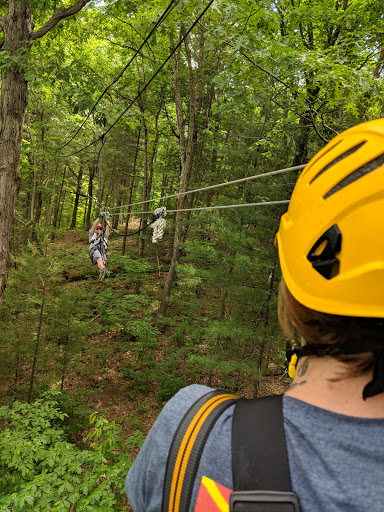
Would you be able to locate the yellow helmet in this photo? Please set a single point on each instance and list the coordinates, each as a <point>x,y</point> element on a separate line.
<point>331,240</point>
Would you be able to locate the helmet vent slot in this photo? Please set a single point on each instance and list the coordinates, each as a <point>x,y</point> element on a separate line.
<point>321,156</point>
<point>356,175</point>
<point>337,160</point>
<point>329,244</point>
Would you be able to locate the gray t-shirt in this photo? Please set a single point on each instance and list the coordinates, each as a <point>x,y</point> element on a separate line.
<point>336,461</point>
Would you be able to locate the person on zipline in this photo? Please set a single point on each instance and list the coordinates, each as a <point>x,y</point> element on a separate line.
<point>98,247</point>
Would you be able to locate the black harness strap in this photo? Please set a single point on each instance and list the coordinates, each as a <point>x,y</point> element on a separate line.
<point>260,465</point>
<point>99,243</point>
<point>260,458</point>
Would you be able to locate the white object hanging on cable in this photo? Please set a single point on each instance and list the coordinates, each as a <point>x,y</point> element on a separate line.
<point>159,225</point>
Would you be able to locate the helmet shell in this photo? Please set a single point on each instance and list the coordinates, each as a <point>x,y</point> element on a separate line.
<point>98,225</point>
<point>342,185</point>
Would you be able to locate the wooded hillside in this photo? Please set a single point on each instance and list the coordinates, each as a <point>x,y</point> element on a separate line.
<point>107,106</point>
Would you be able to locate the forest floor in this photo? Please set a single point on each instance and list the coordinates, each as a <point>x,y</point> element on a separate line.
<point>98,378</point>
<point>112,389</point>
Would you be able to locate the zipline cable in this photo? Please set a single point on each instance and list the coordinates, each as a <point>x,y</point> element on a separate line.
<point>266,203</point>
<point>263,203</point>
<point>157,24</point>
<point>146,85</point>
<point>241,180</point>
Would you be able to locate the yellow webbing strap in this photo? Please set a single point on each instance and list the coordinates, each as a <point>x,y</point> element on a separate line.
<point>187,446</point>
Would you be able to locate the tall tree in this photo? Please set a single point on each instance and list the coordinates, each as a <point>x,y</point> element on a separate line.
<point>186,140</point>
<point>19,36</point>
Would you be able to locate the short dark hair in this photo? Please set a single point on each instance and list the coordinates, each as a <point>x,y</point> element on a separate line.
<point>323,334</point>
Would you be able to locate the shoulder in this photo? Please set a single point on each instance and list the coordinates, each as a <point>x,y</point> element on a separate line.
<point>187,396</point>
<point>175,409</point>
<point>144,483</point>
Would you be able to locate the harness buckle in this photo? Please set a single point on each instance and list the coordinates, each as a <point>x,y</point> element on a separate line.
<point>263,501</point>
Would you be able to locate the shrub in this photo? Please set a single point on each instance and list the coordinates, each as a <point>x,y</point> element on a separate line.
<point>41,471</point>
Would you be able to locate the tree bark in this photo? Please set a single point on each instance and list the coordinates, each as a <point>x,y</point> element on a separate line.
<point>76,204</point>
<point>39,196</point>
<point>61,210</point>
<point>186,146</point>
<point>18,36</point>
<point>88,222</point>
<point>263,318</point>
<point>57,209</point>
<point>131,191</point>
<point>51,196</point>
<point>13,102</point>
<point>128,216</point>
<point>65,362</point>
<point>37,346</point>
<point>145,194</point>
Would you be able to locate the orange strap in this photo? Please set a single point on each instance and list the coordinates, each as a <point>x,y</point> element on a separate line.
<point>187,446</point>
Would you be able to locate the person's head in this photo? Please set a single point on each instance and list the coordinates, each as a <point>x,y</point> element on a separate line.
<point>99,228</point>
<point>331,251</point>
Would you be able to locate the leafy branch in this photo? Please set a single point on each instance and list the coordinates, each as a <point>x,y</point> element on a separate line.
<point>61,14</point>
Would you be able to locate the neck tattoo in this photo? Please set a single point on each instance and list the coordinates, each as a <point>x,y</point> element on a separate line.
<point>303,367</point>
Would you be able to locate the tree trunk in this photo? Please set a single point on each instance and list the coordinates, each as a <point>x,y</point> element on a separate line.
<point>32,197</point>
<point>109,191</point>
<point>65,362</point>
<point>88,222</point>
<point>145,195</point>
<point>13,102</point>
<point>39,207</point>
<point>131,191</point>
<point>263,318</point>
<point>17,365</point>
<point>186,145</point>
<point>116,218</point>
<point>76,205</point>
<point>61,210</point>
<point>57,209</point>
<point>37,345</point>
<point>128,215</point>
<point>18,36</point>
<point>50,202</point>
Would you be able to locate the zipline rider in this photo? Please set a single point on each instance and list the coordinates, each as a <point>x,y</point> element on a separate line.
<point>98,247</point>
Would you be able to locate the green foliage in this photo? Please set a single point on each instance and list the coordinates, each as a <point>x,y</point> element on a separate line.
<point>63,325</point>
<point>219,364</point>
<point>76,413</point>
<point>144,371</point>
<point>41,470</point>
<point>104,436</point>
<point>136,270</point>
<point>117,311</point>
<point>14,60</point>
<point>169,377</point>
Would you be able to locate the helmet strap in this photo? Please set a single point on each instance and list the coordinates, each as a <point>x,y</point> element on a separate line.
<point>376,386</point>
<point>292,355</point>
